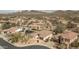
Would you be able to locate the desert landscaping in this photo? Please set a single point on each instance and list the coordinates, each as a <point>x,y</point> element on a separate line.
<point>55,30</point>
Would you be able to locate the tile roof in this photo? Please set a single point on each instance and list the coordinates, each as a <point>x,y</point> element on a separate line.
<point>69,35</point>
<point>42,33</point>
<point>12,30</point>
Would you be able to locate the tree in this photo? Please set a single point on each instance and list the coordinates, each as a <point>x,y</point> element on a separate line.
<point>75,44</point>
<point>60,28</point>
<point>61,46</point>
<point>7,25</point>
<point>76,19</point>
<point>14,38</point>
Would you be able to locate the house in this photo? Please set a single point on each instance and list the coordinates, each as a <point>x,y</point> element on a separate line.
<point>36,24</point>
<point>11,30</point>
<point>68,37</point>
<point>75,29</point>
<point>35,27</point>
<point>44,35</point>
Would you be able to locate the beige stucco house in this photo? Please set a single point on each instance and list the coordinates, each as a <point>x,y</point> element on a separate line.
<point>11,30</point>
<point>68,37</point>
<point>44,35</point>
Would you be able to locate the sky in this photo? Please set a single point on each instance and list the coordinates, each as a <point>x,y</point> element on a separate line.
<point>10,11</point>
<point>7,11</point>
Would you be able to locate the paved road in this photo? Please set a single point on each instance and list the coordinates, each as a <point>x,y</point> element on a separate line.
<point>6,45</point>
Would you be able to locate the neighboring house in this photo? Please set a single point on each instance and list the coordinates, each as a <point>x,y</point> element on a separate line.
<point>44,35</point>
<point>11,30</point>
<point>63,21</point>
<point>36,24</point>
<point>68,37</point>
<point>35,27</point>
<point>19,29</point>
<point>39,24</point>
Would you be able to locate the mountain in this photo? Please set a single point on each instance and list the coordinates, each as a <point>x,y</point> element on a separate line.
<point>40,12</point>
<point>30,12</point>
<point>7,11</point>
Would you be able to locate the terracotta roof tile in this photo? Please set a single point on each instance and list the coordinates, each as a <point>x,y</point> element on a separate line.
<point>69,35</point>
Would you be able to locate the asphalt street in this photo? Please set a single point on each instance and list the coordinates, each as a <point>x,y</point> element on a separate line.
<point>5,45</point>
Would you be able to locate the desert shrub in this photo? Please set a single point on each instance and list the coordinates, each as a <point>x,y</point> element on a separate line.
<point>7,25</point>
<point>19,37</point>
<point>15,37</point>
<point>75,44</point>
<point>76,19</point>
<point>59,28</point>
<point>61,46</point>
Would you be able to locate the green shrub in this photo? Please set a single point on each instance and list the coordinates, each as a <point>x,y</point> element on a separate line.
<point>18,37</point>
